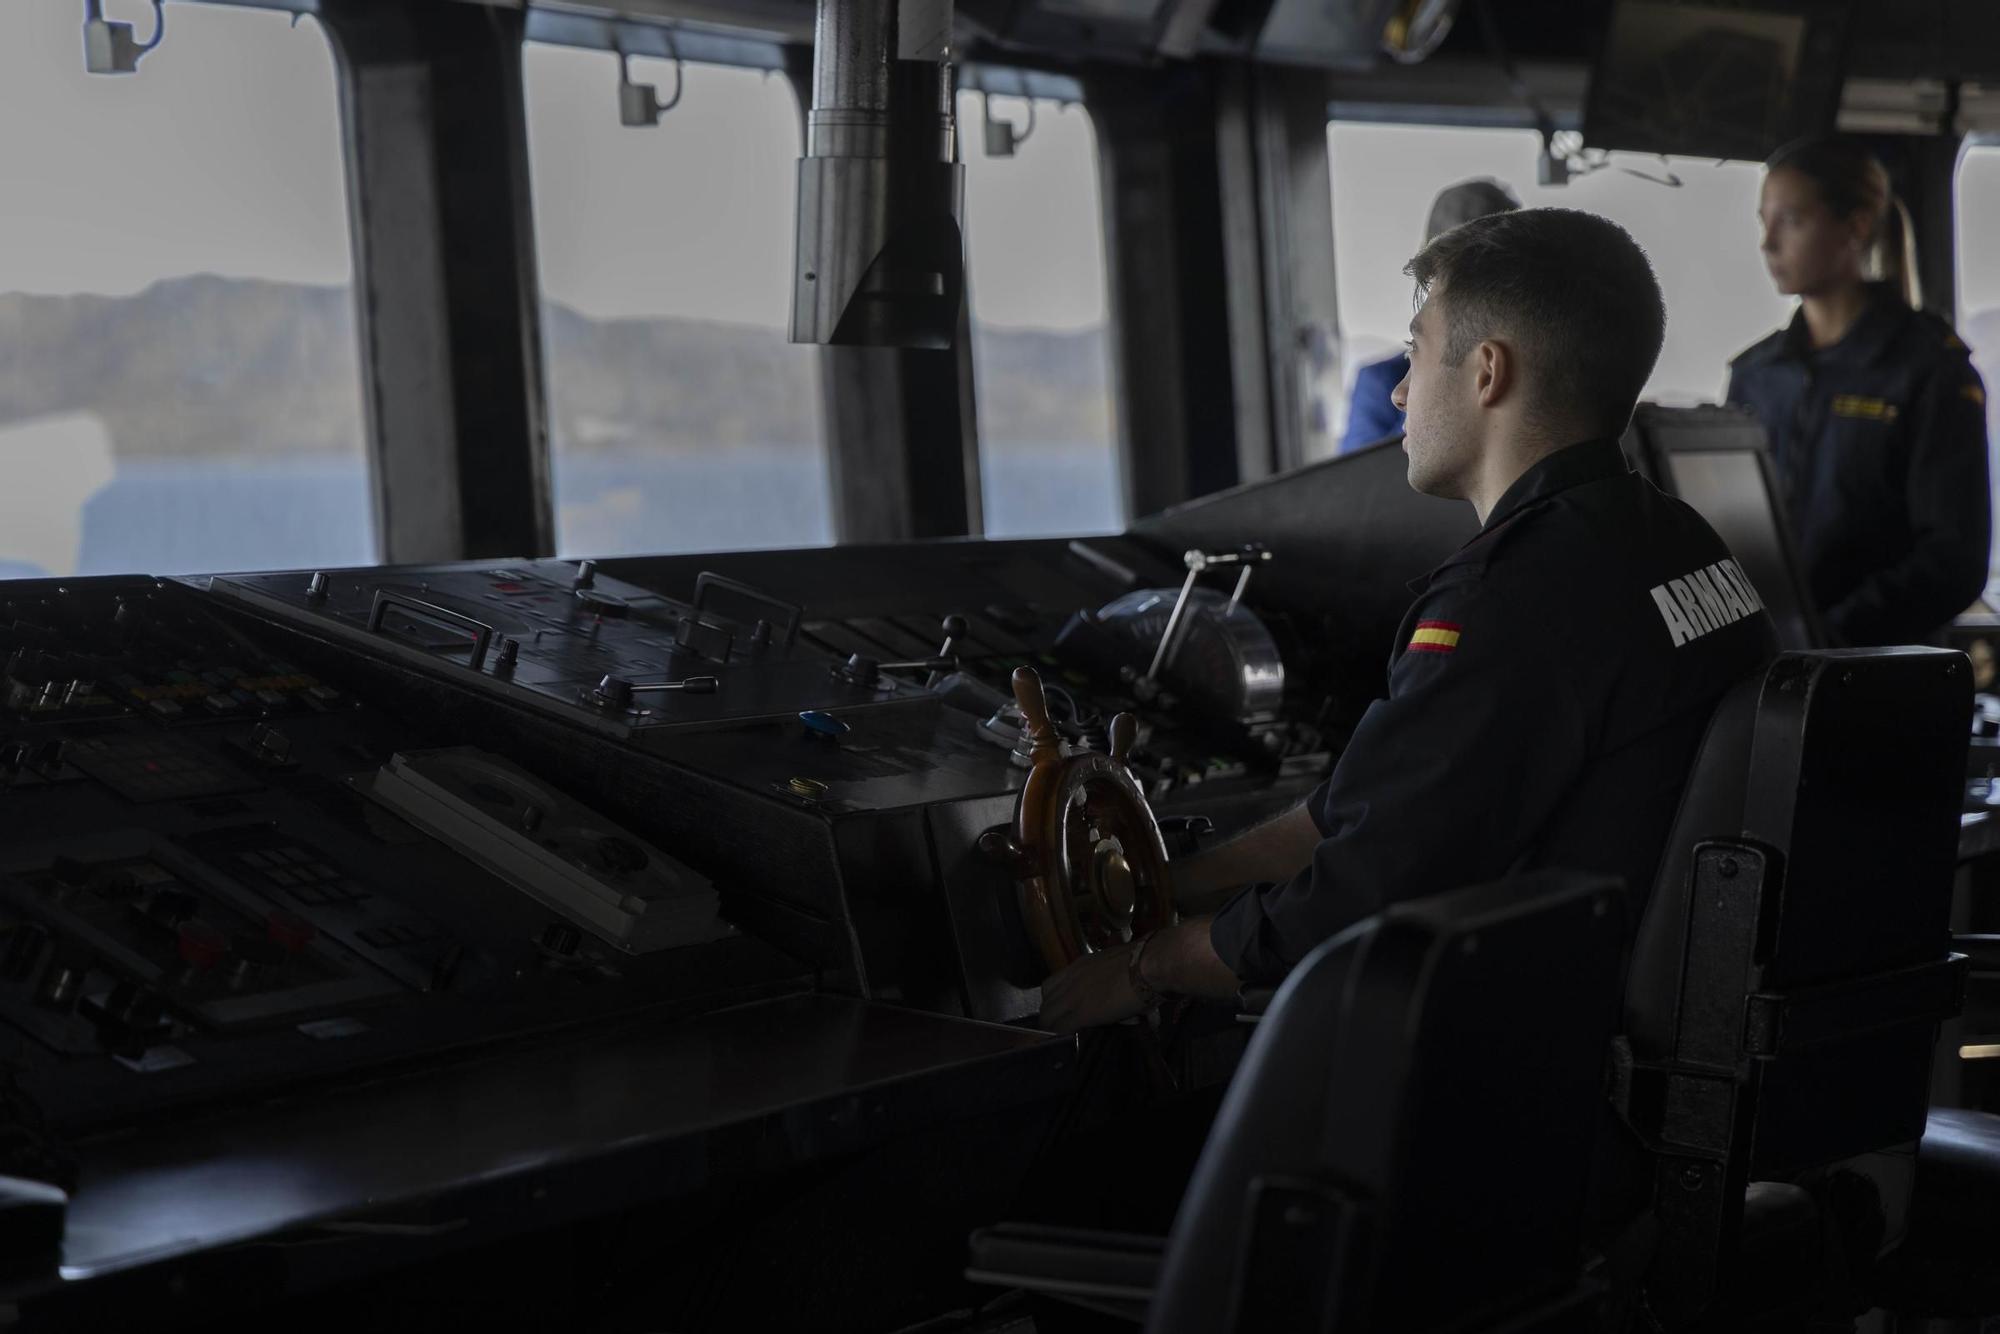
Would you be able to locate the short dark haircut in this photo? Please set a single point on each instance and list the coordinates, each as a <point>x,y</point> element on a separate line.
<point>1573,289</point>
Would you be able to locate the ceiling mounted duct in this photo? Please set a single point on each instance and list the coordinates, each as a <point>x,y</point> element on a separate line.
<point>880,257</point>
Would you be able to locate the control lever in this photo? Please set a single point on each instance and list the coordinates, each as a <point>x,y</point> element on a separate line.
<point>938,664</point>
<point>865,671</point>
<point>783,627</point>
<point>693,685</point>
<point>385,600</point>
<point>615,692</point>
<point>1250,556</point>
<point>954,628</point>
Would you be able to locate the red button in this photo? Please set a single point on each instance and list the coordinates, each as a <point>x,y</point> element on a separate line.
<point>291,931</point>
<point>201,945</point>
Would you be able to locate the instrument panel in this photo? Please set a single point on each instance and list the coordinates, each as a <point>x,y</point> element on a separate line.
<point>560,637</point>
<point>205,890</point>
<point>272,828</point>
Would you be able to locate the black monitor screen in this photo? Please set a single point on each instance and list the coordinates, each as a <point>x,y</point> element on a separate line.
<point>1731,489</point>
<point>1714,81</point>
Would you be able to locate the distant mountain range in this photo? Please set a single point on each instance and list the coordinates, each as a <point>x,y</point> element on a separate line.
<point>207,366</point>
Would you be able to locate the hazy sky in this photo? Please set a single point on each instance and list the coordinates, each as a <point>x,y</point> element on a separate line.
<point>1702,238</point>
<point>696,216</point>
<point>693,217</point>
<point>223,155</point>
<point>1978,231</point>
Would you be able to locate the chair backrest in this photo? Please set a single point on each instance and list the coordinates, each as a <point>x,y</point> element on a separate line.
<point>1406,1145</point>
<point>1793,962</point>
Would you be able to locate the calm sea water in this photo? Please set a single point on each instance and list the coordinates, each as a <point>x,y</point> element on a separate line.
<point>227,514</point>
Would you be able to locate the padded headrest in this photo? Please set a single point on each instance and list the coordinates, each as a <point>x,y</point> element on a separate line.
<point>1848,764</point>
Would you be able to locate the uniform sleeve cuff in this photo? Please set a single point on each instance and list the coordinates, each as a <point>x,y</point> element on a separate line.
<point>1316,806</point>
<point>1239,934</point>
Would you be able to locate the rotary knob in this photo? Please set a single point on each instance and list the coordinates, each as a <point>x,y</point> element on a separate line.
<point>860,669</point>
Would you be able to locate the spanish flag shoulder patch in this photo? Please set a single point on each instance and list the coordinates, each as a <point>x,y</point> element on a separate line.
<point>1435,637</point>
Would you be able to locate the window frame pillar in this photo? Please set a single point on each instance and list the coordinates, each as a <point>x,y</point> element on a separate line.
<point>448,300</point>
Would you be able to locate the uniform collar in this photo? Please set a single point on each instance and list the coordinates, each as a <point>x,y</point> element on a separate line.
<point>1572,465</point>
<point>1881,319</point>
<point>1568,467</point>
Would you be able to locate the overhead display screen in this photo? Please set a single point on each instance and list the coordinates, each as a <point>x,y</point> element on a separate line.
<point>1708,81</point>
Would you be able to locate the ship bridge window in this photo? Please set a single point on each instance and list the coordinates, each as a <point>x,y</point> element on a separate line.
<point>1701,236</point>
<point>1978,191</point>
<point>1035,277</point>
<point>681,417</point>
<point>180,384</point>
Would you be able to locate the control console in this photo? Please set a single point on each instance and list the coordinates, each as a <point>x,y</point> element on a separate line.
<point>223,870</point>
<point>564,639</point>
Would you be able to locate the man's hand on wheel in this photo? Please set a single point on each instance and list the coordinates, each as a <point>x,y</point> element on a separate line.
<point>1096,989</point>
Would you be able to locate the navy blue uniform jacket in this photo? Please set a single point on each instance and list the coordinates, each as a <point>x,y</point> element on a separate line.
<point>1879,442</point>
<point>1546,695</point>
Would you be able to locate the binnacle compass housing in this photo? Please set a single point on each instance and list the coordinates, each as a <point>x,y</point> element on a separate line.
<point>1223,656</point>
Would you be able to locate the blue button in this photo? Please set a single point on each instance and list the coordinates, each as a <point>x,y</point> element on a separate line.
<point>823,724</point>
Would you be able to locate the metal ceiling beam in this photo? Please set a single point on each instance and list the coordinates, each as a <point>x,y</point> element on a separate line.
<point>782,20</point>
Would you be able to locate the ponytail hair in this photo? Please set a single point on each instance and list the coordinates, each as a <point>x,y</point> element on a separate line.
<point>1852,180</point>
<point>1892,258</point>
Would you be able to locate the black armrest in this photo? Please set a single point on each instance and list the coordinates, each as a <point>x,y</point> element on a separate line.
<point>1112,1272</point>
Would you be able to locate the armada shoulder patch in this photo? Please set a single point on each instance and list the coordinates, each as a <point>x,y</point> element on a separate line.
<point>1703,601</point>
<point>1435,637</point>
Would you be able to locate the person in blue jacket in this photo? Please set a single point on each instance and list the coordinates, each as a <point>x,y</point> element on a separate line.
<point>1876,417</point>
<point>1371,415</point>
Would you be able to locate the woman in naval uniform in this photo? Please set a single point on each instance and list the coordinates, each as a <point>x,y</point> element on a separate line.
<point>1876,417</point>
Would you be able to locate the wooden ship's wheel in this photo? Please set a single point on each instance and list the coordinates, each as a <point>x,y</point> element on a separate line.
<point>1086,852</point>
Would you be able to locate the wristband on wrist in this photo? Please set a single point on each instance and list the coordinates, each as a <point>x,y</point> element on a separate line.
<point>1149,995</point>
